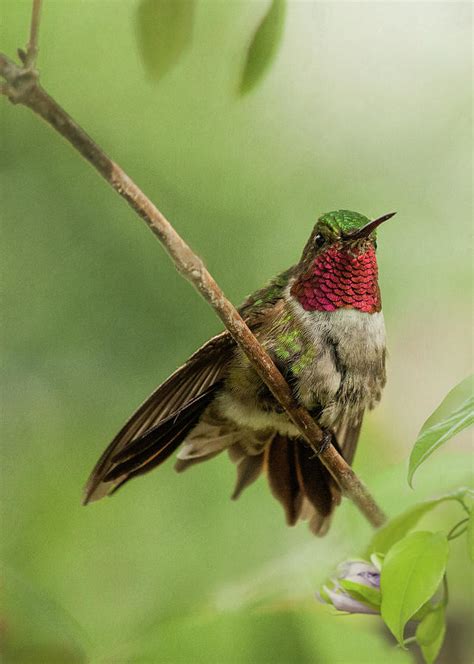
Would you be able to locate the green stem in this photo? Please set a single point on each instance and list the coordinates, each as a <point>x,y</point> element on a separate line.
<point>453,533</point>
<point>464,506</point>
<point>446,591</point>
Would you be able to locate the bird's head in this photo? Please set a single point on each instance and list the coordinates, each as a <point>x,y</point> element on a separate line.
<point>338,268</point>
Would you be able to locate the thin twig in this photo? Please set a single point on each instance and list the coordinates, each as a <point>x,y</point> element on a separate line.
<point>23,88</point>
<point>32,48</point>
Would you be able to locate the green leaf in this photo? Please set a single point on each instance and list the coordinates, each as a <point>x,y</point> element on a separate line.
<point>470,535</point>
<point>264,46</point>
<point>366,594</point>
<point>286,633</point>
<point>454,414</point>
<point>430,634</point>
<point>412,571</point>
<point>429,628</point>
<point>164,29</point>
<point>399,526</point>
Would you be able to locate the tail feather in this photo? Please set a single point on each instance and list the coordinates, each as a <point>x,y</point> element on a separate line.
<point>314,480</point>
<point>282,476</point>
<point>248,470</point>
<point>297,479</point>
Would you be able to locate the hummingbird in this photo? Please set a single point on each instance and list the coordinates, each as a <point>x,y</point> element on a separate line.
<point>321,322</point>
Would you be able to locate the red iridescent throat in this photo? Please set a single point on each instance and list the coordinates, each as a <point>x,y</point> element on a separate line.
<point>341,278</point>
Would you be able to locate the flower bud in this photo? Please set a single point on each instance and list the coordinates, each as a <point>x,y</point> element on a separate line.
<point>355,589</point>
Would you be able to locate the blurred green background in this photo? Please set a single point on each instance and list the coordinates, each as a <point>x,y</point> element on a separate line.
<point>367,106</point>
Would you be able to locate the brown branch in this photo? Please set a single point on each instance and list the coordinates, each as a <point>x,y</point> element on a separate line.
<point>23,88</point>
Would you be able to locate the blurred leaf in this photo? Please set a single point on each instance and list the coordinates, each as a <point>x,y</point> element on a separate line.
<point>34,628</point>
<point>430,634</point>
<point>286,633</point>
<point>399,526</point>
<point>411,574</point>
<point>455,413</point>
<point>165,30</point>
<point>470,535</point>
<point>264,46</point>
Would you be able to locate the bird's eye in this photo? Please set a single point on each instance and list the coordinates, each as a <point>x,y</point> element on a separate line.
<point>319,240</point>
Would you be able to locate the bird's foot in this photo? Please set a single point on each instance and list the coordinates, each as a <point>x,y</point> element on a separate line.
<point>326,440</point>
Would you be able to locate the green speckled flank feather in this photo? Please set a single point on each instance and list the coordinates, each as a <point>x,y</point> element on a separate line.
<point>288,343</point>
<point>304,360</point>
<point>290,346</point>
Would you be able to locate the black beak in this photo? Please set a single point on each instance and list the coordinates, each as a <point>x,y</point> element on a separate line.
<point>366,230</point>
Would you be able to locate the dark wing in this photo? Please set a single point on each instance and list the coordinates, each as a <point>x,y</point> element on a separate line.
<point>163,420</point>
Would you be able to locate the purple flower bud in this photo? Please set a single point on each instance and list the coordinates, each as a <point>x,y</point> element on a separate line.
<point>360,572</point>
<point>343,599</point>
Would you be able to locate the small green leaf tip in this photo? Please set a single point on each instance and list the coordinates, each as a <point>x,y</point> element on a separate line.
<point>264,46</point>
<point>455,413</point>
<point>343,221</point>
<point>400,525</point>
